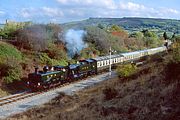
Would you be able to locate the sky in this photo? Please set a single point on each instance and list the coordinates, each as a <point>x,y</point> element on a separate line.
<point>61,11</point>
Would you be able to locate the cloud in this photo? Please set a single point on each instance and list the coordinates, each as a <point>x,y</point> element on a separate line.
<point>68,10</point>
<point>109,4</point>
<point>132,6</point>
<point>2,13</point>
<point>140,10</point>
<point>27,12</point>
<point>41,12</point>
<point>52,12</point>
<point>171,11</point>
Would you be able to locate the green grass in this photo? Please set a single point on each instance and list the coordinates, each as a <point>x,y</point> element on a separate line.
<point>10,59</point>
<point>7,50</point>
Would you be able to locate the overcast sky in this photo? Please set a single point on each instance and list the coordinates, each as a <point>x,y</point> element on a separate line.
<point>60,11</point>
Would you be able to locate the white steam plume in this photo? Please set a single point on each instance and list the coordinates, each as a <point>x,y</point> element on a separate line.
<point>74,41</point>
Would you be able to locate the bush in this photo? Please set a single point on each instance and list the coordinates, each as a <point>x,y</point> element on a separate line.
<point>10,58</point>
<point>126,70</point>
<point>11,70</point>
<point>89,52</point>
<point>172,71</point>
<point>7,50</point>
<point>176,52</point>
<point>56,51</point>
<point>110,93</point>
<point>37,37</point>
<point>45,59</point>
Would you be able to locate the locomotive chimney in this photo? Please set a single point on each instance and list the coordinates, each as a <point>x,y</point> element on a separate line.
<point>36,69</point>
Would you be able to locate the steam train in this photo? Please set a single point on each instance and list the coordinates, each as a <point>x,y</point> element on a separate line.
<point>57,75</point>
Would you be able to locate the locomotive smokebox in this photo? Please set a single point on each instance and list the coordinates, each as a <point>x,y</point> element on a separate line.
<point>45,68</point>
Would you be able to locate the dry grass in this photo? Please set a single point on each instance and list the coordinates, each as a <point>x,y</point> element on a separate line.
<point>144,96</point>
<point>3,93</point>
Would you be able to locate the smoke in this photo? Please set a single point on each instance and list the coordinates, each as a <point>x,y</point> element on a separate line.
<point>74,41</point>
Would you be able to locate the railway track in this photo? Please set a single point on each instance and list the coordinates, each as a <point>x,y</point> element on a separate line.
<point>27,94</point>
<point>21,102</point>
<point>16,97</point>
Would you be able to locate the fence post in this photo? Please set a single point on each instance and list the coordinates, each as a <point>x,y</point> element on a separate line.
<point>0,38</point>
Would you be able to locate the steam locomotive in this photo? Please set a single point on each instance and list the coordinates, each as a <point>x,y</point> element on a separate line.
<point>57,75</point>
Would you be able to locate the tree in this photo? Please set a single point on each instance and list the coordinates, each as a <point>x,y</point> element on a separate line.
<point>139,39</point>
<point>165,36</point>
<point>37,37</point>
<point>173,37</point>
<point>151,39</point>
<point>115,28</point>
<point>10,27</point>
<point>99,38</point>
<point>100,26</point>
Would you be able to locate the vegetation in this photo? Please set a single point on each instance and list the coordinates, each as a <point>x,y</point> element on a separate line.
<point>176,50</point>
<point>38,37</point>
<point>37,44</point>
<point>40,44</point>
<point>119,39</point>
<point>11,70</point>
<point>126,70</point>
<point>131,24</point>
<point>7,50</point>
<point>148,96</point>
<point>10,63</point>
<point>10,27</point>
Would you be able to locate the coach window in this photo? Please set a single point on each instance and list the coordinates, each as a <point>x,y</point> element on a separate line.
<point>101,63</point>
<point>98,64</point>
<point>105,62</point>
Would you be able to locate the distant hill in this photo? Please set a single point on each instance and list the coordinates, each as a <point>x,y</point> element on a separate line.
<point>1,25</point>
<point>130,24</point>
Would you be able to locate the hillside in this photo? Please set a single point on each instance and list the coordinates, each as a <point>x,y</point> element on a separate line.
<point>130,24</point>
<point>151,94</point>
<point>40,45</point>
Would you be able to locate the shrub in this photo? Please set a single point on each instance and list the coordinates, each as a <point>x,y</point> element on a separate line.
<point>172,71</point>
<point>89,52</point>
<point>37,37</point>
<point>10,58</point>
<point>176,52</point>
<point>45,59</point>
<point>7,50</point>
<point>110,93</point>
<point>11,70</point>
<point>126,70</point>
<point>56,51</point>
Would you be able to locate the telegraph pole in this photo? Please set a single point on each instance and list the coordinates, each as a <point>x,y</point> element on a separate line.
<point>110,61</point>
